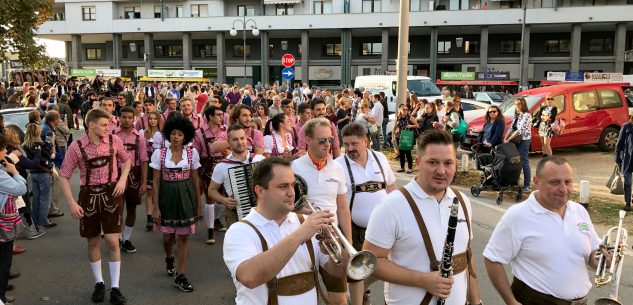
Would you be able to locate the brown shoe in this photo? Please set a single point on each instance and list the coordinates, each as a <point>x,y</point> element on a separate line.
<point>9,287</point>
<point>14,275</point>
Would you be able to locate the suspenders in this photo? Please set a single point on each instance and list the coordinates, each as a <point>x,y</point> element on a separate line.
<point>351,178</point>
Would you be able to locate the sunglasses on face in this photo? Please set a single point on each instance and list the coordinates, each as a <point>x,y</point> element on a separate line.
<point>550,99</point>
<point>323,140</point>
<point>492,111</point>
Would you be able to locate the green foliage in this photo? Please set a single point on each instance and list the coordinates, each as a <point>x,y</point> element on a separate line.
<point>19,22</point>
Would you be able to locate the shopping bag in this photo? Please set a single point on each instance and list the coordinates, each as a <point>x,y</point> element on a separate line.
<point>406,140</point>
<point>558,127</point>
<point>616,182</point>
<point>460,131</point>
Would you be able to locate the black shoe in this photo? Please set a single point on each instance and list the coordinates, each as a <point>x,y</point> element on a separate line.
<point>50,225</point>
<point>149,226</point>
<point>169,265</point>
<point>627,208</point>
<point>99,294</point>
<point>211,239</point>
<point>182,283</point>
<point>116,297</point>
<point>128,247</point>
<point>56,214</point>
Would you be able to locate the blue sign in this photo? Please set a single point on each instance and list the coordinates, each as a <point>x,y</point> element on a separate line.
<point>288,73</point>
<point>575,76</point>
<point>493,76</point>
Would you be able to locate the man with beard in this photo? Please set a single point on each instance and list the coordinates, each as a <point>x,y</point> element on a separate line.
<point>137,179</point>
<point>548,239</point>
<point>318,111</point>
<point>407,232</point>
<point>186,108</point>
<point>220,177</point>
<point>243,115</point>
<point>327,190</point>
<point>369,178</point>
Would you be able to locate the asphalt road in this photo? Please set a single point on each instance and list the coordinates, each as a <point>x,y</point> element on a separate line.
<point>55,267</point>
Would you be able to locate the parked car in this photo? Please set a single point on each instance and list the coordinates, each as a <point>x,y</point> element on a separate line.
<point>16,119</point>
<point>490,98</point>
<point>421,86</point>
<point>593,114</point>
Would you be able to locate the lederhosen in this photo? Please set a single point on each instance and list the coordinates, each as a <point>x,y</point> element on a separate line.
<point>208,164</point>
<point>461,261</point>
<point>133,189</point>
<point>530,296</point>
<point>101,209</point>
<point>177,200</point>
<point>358,232</point>
<point>295,284</point>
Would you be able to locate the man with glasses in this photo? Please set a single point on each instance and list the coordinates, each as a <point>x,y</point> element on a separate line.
<point>327,189</point>
<point>318,111</point>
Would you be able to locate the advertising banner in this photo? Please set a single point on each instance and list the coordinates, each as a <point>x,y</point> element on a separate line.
<point>457,76</point>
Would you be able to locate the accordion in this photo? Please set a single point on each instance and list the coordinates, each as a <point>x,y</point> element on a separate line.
<point>241,178</point>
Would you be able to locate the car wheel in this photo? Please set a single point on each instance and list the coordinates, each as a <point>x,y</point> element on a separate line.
<point>608,139</point>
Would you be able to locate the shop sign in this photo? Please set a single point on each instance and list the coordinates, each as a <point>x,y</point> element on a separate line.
<point>457,76</point>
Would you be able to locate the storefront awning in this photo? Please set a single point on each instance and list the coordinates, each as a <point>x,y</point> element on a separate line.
<point>282,1</point>
<point>173,79</point>
<point>476,82</point>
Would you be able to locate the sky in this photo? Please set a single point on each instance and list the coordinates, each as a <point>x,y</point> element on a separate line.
<point>54,48</point>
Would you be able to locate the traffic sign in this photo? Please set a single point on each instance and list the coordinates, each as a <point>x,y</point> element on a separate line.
<point>288,60</point>
<point>288,73</point>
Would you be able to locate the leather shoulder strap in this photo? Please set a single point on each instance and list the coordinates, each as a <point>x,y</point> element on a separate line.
<point>320,293</point>
<point>382,171</point>
<point>352,184</point>
<point>259,234</point>
<point>469,252</point>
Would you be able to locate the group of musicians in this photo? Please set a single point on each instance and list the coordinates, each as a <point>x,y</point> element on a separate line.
<point>272,250</point>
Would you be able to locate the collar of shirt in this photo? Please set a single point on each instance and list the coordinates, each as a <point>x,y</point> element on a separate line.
<point>537,208</point>
<point>417,191</point>
<point>85,140</point>
<point>317,163</point>
<point>133,131</point>
<point>370,158</point>
<point>259,220</point>
<point>233,158</point>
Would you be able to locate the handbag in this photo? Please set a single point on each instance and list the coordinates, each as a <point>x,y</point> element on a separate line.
<point>616,182</point>
<point>558,127</point>
<point>406,140</point>
<point>517,139</point>
<point>461,129</point>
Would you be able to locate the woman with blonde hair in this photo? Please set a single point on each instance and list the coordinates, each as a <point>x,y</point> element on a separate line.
<point>366,117</point>
<point>151,131</point>
<point>41,179</point>
<point>140,97</point>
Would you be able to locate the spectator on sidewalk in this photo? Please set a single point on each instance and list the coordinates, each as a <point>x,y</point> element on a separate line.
<point>624,158</point>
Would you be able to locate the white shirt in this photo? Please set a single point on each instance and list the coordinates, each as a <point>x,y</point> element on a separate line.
<point>365,202</point>
<point>441,113</point>
<point>268,143</point>
<point>157,140</point>
<point>221,171</point>
<point>378,112</point>
<point>393,226</point>
<point>241,243</point>
<point>323,185</point>
<point>547,253</point>
<point>184,163</point>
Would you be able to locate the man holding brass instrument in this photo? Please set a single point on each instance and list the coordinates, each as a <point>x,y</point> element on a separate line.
<point>548,239</point>
<point>272,253</point>
<point>408,232</point>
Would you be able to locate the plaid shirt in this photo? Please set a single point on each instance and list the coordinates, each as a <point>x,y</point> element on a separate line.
<point>200,145</point>
<point>98,175</point>
<point>130,138</point>
<point>114,124</point>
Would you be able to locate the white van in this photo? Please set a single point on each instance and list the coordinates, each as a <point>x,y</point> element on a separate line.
<point>422,86</point>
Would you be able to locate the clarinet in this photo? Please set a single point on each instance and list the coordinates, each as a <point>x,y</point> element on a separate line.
<point>446,266</point>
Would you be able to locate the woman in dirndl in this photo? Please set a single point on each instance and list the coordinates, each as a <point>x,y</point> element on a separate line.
<point>177,192</point>
<point>545,117</point>
<point>154,126</point>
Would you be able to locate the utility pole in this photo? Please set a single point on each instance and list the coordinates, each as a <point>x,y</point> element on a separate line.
<point>523,75</point>
<point>403,55</point>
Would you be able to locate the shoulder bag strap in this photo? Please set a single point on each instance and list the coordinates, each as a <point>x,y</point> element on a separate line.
<point>425,236</point>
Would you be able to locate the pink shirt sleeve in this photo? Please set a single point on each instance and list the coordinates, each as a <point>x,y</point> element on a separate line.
<point>142,150</point>
<point>198,143</point>
<point>71,161</point>
<point>336,144</point>
<point>258,140</point>
<point>303,144</point>
<point>121,154</point>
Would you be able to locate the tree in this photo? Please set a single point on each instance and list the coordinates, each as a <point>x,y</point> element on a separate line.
<point>19,22</point>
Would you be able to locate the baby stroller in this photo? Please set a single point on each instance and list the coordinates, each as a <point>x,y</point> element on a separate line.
<point>500,170</point>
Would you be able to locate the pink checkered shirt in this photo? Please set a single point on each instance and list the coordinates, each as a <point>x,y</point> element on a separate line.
<point>114,124</point>
<point>98,175</point>
<point>197,121</point>
<point>199,143</point>
<point>130,138</point>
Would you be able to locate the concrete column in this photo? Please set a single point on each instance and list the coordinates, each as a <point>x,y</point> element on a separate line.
<point>117,50</point>
<point>148,44</point>
<point>384,57</point>
<point>265,71</point>
<point>69,53</point>
<point>186,51</point>
<point>526,57</point>
<point>483,49</point>
<point>619,47</point>
<point>305,54</point>
<point>75,50</point>
<point>576,33</point>
<point>219,44</point>
<point>346,57</point>
<point>433,54</point>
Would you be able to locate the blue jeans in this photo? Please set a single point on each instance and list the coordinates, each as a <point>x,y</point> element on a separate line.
<point>42,190</point>
<point>385,141</point>
<point>524,150</point>
<point>627,188</point>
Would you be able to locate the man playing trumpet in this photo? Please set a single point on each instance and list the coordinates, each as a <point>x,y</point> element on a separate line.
<point>272,253</point>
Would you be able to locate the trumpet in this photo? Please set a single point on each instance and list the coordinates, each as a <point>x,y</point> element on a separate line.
<point>611,275</point>
<point>361,264</point>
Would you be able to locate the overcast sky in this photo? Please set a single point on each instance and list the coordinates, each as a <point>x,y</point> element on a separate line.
<point>55,48</point>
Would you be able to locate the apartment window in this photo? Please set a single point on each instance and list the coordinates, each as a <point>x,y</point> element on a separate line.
<point>322,7</point>
<point>157,12</point>
<point>510,46</point>
<point>471,47</point>
<point>180,12</point>
<point>203,51</point>
<point>199,10</point>
<point>601,45</point>
<point>331,49</point>
<point>245,10</point>
<point>132,12</point>
<point>444,47</point>
<point>414,5</point>
<point>239,51</point>
<point>556,45</point>
<point>93,54</point>
<point>89,13</point>
<point>168,51</point>
<point>371,6</point>
<point>371,48</point>
<point>285,9</point>
<point>57,16</point>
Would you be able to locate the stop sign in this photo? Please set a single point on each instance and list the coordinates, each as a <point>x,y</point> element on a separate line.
<point>288,60</point>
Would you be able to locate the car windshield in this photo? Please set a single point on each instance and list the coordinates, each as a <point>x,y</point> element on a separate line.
<point>18,118</point>
<point>423,87</point>
<point>507,108</point>
<point>496,97</point>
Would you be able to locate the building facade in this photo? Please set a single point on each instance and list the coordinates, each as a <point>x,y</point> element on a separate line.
<point>333,41</point>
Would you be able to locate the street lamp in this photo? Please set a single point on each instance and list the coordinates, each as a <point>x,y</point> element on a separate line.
<point>255,32</point>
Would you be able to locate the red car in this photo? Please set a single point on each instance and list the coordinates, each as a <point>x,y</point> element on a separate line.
<point>593,114</point>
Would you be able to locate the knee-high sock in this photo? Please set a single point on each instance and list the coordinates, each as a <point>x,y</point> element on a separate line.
<point>96,271</point>
<point>127,232</point>
<point>115,273</point>
<point>209,215</point>
<point>218,210</point>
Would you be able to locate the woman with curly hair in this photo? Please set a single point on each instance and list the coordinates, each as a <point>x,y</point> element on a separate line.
<point>177,192</point>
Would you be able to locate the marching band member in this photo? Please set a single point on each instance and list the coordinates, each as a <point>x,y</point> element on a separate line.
<point>548,239</point>
<point>136,147</point>
<point>186,108</point>
<point>153,128</point>
<point>327,190</point>
<point>407,232</point>
<point>220,178</point>
<point>97,154</point>
<point>177,192</point>
<point>272,253</point>
<point>243,115</point>
<point>211,142</point>
<point>369,178</point>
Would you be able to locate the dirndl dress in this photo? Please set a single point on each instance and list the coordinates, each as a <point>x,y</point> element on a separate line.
<point>544,128</point>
